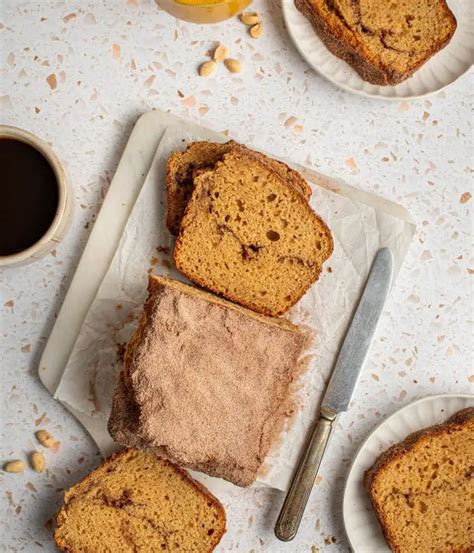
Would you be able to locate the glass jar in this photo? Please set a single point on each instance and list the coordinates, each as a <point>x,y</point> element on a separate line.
<point>203,11</point>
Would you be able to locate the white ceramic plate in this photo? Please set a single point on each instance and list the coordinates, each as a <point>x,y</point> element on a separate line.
<point>362,527</point>
<point>440,71</point>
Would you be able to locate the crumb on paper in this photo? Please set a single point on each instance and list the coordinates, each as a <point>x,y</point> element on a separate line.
<point>465,197</point>
<point>163,249</point>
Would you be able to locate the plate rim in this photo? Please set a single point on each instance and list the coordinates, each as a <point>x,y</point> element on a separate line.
<point>395,414</point>
<point>288,5</point>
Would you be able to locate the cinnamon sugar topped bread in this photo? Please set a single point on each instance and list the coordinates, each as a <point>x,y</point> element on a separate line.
<point>137,502</point>
<point>384,41</point>
<point>249,237</point>
<point>182,167</point>
<point>206,383</point>
<point>422,489</point>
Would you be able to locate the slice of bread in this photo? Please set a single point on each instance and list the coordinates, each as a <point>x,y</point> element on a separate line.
<point>182,167</point>
<point>206,383</point>
<point>385,42</point>
<point>136,501</point>
<point>250,237</point>
<point>422,489</point>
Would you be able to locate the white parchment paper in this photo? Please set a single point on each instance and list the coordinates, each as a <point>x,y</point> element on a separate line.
<point>360,222</point>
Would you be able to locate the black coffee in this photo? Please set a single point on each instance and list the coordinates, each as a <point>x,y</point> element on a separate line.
<point>29,196</point>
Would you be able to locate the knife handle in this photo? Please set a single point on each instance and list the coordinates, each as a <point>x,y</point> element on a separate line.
<point>295,502</point>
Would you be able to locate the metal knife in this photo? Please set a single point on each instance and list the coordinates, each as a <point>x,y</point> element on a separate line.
<point>339,391</point>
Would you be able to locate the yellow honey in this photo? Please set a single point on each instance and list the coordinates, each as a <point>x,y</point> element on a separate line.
<point>203,11</point>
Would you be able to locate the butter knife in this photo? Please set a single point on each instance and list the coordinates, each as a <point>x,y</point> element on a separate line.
<point>339,391</point>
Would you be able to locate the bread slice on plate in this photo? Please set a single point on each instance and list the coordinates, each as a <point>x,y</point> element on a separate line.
<point>384,41</point>
<point>422,489</point>
<point>182,167</point>
<point>206,383</point>
<point>136,501</point>
<point>249,237</point>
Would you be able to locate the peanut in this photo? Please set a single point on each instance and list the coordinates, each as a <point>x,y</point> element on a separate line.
<point>233,65</point>
<point>256,31</point>
<point>46,440</point>
<point>37,461</point>
<point>250,18</point>
<point>220,53</point>
<point>206,68</point>
<point>14,466</point>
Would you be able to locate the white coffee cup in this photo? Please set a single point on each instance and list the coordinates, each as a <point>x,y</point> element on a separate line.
<point>62,217</point>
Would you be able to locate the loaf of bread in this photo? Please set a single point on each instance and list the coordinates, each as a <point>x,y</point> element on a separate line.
<point>206,383</point>
<point>385,42</point>
<point>249,237</point>
<point>422,489</point>
<point>136,501</point>
<point>182,167</point>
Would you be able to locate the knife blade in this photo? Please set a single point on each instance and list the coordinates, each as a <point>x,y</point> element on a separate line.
<point>356,345</point>
<point>339,391</point>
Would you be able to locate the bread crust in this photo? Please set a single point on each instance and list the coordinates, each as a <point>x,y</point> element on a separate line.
<point>109,463</point>
<point>338,42</point>
<point>459,419</point>
<point>173,211</point>
<point>233,297</point>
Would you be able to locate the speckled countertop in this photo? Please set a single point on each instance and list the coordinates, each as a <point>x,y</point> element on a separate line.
<point>79,74</point>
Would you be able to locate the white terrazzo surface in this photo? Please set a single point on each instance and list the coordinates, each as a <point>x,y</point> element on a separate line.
<point>79,74</point>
